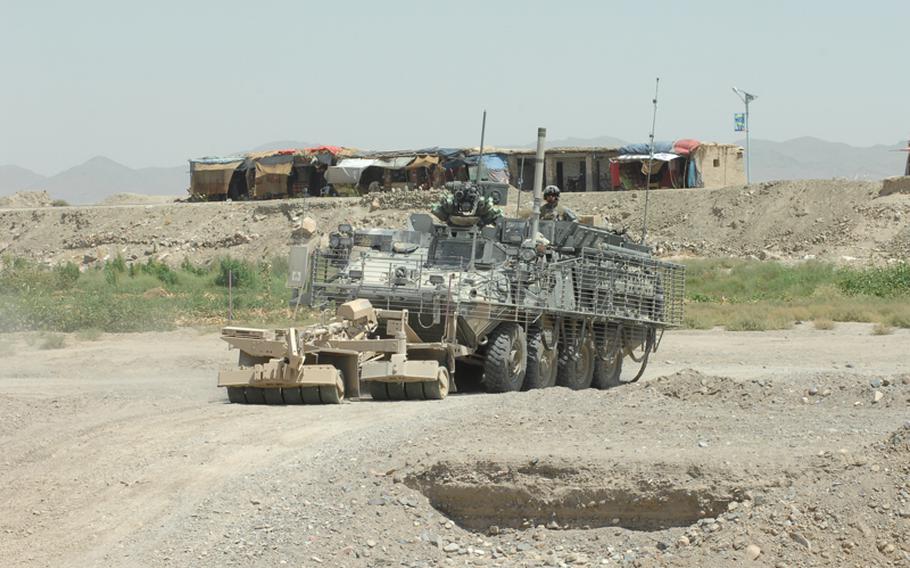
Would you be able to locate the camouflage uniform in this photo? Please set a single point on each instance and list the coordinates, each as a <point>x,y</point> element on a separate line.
<point>556,212</point>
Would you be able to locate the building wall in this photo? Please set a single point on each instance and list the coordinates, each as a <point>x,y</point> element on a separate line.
<point>720,165</point>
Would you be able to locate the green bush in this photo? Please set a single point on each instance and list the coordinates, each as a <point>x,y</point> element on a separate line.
<point>237,273</point>
<point>886,282</point>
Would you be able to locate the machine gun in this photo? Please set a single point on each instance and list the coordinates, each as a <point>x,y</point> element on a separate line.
<point>469,204</point>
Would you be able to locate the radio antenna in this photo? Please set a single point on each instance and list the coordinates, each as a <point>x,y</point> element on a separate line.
<point>483,129</point>
<point>644,221</point>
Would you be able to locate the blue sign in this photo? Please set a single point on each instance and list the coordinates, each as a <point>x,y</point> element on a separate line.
<point>739,120</point>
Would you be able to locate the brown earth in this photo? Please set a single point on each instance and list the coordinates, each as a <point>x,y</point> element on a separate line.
<point>772,445</point>
<point>840,221</point>
<point>785,448</point>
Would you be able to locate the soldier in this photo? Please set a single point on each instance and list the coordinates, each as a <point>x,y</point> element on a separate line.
<point>552,210</point>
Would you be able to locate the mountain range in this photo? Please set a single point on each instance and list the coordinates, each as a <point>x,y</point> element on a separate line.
<point>800,158</point>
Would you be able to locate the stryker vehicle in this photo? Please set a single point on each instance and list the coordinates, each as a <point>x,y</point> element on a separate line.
<point>509,303</point>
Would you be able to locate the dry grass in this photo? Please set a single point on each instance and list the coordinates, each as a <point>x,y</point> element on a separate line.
<point>89,334</point>
<point>823,324</point>
<point>882,329</point>
<point>51,341</point>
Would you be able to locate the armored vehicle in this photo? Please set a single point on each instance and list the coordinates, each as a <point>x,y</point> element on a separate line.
<point>506,303</point>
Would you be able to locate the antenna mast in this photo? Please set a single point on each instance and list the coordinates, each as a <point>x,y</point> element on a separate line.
<point>483,129</point>
<point>644,221</point>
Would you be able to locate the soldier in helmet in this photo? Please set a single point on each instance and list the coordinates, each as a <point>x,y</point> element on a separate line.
<point>552,210</point>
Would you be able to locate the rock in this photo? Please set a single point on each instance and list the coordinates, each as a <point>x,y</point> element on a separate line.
<point>89,258</point>
<point>877,396</point>
<point>451,547</point>
<point>377,501</point>
<point>702,444</point>
<point>374,205</point>
<point>371,543</point>
<point>813,391</point>
<point>493,530</point>
<point>801,540</point>
<point>875,383</point>
<point>523,546</point>
<point>682,541</point>
<point>752,552</point>
<point>307,227</point>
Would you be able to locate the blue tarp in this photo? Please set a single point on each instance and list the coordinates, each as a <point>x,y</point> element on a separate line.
<point>490,162</point>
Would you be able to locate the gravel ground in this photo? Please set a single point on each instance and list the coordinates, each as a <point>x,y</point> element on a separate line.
<point>784,448</point>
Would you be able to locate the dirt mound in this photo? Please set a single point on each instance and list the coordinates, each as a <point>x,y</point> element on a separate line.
<point>26,199</point>
<point>692,385</point>
<point>839,221</point>
<point>899,440</point>
<point>402,199</point>
<point>138,199</point>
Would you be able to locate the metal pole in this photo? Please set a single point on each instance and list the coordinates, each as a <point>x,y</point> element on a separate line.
<point>521,183</point>
<point>230,295</point>
<point>644,221</point>
<point>748,156</point>
<point>483,129</point>
<point>538,183</point>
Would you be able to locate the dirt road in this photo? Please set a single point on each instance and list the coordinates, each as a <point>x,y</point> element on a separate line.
<point>773,445</point>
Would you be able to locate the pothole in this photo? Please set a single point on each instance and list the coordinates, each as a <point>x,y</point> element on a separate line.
<point>484,495</point>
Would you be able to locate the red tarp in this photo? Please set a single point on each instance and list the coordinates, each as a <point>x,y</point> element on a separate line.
<point>319,149</point>
<point>685,146</point>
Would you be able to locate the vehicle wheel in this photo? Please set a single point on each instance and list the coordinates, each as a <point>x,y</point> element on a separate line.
<point>541,367</point>
<point>414,391</point>
<point>607,371</point>
<point>310,395</point>
<point>506,360</point>
<point>576,365</point>
<point>377,391</point>
<point>272,396</point>
<point>254,395</point>
<point>292,395</point>
<point>236,395</point>
<point>438,389</point>
<point>395,390</point>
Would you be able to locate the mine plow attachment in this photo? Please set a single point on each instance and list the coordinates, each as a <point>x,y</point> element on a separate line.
<point>273,369</point>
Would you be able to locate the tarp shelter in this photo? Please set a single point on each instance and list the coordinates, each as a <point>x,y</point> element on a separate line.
<point>212,177</point>
<point>271,174</point>
<point>494,168</point>
<point>349,170</point>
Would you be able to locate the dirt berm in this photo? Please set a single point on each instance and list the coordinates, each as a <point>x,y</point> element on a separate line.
<point>840,221</point>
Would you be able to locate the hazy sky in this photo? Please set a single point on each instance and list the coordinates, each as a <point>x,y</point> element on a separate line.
<point>154,83</point>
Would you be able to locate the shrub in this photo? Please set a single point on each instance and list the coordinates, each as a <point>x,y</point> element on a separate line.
<point>66,275</point>
<point>51,341</point>
<point>238,273</point>
<point>823,323</point>
<point>60,203</point>
<point>159,270</point>
<point>882,329</point>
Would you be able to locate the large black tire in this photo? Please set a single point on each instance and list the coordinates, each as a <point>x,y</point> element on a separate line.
<point>395,391</point>
<point>506,359</point>
<point>541,367</point>
<point>272,396</point>
<point>378,390</point>
<point>254,395</point>
<point>607,372</point>
<point>236,395</point>
<point>576,365</point>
